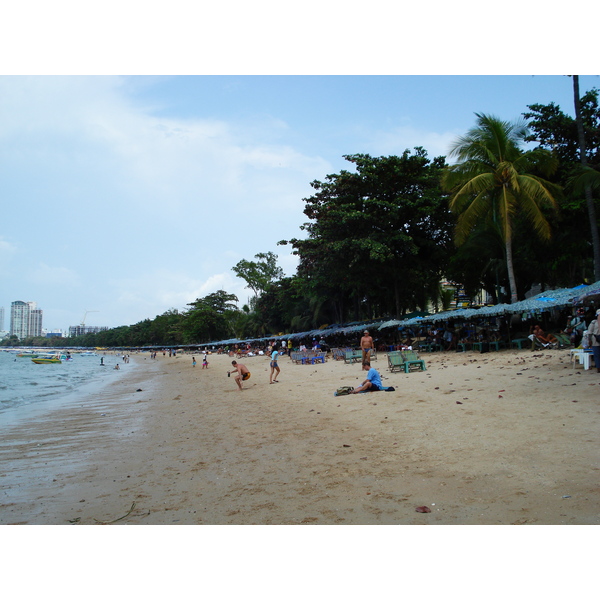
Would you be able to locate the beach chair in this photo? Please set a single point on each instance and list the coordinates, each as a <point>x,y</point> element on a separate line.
<point>352,356</point>
<point>519,342</point>
<point>395,362</point>
<point>338,353</point>
<point>539,345</point>
<point>411,359</point>
<point>563,340</point>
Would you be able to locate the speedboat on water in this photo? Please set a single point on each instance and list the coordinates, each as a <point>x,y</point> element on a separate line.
<point>44,359</point>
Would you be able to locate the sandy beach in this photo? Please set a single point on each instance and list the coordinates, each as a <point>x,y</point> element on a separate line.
<point>504,437</point>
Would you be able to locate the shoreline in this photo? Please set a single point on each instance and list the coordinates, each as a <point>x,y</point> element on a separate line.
<point>499,438</point>
<point>10,417</point>
<point>45,449</point>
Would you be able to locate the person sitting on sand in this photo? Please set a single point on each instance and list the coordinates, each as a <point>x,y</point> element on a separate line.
<point>546,340</point>
<point>243,373</point>
<point>373,381</point>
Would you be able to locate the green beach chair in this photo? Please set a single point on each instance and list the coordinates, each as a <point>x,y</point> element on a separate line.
<point>396,362</point>
<point>411,359</point>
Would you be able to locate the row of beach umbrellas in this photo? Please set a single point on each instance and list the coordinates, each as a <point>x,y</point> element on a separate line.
<point>542,302</point>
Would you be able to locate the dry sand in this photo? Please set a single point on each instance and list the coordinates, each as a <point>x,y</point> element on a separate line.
<point>507,437</point>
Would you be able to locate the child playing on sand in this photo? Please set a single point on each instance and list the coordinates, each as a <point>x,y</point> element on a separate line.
<point>204,362</point>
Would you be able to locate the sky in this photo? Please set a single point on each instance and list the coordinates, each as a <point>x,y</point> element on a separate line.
<point>136,169</point>
<point>126,196</point>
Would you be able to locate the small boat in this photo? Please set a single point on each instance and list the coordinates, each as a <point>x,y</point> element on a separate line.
<point>45,359</point>
<point>88,353</point>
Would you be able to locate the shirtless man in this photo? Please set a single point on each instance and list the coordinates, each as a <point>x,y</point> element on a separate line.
<point>243,373</point>
<point>366,345</point>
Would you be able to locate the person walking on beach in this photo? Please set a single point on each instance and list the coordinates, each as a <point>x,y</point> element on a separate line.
<point>205,361</point>
<point>242,373</point>
<point>366,345</point>
<point>373,381</point>
<point>193,361</point>
<point>274,366</point>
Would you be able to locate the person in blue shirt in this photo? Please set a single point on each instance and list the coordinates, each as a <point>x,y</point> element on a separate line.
<point>373,381</point>
<point>274,366</point>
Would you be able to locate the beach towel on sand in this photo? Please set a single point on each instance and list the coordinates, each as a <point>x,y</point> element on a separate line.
<point>348,389</point>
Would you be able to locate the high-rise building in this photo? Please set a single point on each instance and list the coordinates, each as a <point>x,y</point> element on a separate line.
<point>35,323</point>
<point>1,318</point>
<point>77,330</point>
<point>25,319</point>
<point>19,319</point>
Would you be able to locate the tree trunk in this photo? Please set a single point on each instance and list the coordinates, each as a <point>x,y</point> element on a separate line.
<point>397,296</point>
<point>591,206</point>
<point>511,272</point>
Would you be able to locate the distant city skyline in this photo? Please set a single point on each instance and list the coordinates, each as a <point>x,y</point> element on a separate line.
<point>26,320</point>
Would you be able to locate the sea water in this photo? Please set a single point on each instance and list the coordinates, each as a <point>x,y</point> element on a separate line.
<point>26,386</point>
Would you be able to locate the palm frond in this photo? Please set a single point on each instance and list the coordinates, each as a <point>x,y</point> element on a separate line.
<point>584,177</point>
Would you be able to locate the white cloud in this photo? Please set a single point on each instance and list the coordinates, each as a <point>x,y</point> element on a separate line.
<point>398,139</point>
<point>157,291</point>
<point>93,142</point>
<point>47,275</point>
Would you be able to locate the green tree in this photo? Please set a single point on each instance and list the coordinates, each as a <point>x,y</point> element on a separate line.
<point>258,275</point>
<point>591,206</point>
<point>378,238</point>
<point>560,133</point>
<point>210,318</point>
<point>494,179</point>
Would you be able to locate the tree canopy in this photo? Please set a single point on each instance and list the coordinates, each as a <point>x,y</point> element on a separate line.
<point>259,274</point>
<point>377,237</point>
<point>494,179</point>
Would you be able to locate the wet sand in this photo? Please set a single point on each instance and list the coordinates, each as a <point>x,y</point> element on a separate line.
<point>504,437</point>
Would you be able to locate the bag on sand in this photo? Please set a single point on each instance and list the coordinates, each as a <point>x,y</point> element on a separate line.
<point>344,390</point>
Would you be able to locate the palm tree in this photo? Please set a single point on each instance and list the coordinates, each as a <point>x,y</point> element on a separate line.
<point>587,179</point>
<point>583,178</point>
<point>494,179</point>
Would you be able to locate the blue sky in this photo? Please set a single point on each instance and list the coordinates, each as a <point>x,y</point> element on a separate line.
<point>133,195</point>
